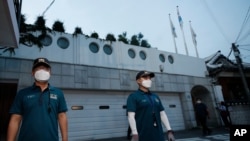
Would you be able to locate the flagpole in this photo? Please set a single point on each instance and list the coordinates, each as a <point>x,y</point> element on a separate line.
<point>173,34</point>
<point>181,25</point>
<point>185,44</point>
<point>194,40</point>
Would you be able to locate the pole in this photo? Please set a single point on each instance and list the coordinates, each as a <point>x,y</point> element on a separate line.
<point>194,39</point>
<point>239,63</point>
<point>197,55</point>
<point>19,14</point>
<point>181,25</point>
<point>48,7</point>
<point>173,33</point>
<point>185,44</point>
<point>176,51</point>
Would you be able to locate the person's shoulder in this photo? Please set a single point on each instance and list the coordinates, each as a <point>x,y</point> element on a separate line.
<point>155,94</point>
<point>133,93</point>
<point>24,90</point>
<point>55,89</point>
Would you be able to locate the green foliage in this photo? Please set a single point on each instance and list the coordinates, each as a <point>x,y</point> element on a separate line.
<point>110,37</point>
<point>94,35</point>
<point>122,37</point>
<point>144,43</point>
<point>140,36</point>
<point>134,40</point>
<point>11,50</point>
<point>138,41</point>
<point>58,26</point>
<point>40,23</point>
<point>26,36</point>
<point>23,28</point>
<point>77,31</point>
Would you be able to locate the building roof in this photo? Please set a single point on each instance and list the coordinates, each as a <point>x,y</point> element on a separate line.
<point>217,63</point>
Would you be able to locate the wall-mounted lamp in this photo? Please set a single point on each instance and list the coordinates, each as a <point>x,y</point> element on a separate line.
<point>161,68</point>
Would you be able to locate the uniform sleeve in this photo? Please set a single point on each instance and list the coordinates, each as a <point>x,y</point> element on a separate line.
<point>161,108</point>
<point>131,103</point>
<point>62,107</point>
<point>16,107</point>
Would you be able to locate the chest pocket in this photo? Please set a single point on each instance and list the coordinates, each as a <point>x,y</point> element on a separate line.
<point>143,103</point>
<point>30,101</point>
<point>53,101</point>
<point>149,101</point>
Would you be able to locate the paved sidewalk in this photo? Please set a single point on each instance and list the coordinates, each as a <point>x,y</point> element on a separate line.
<point>191,134</point>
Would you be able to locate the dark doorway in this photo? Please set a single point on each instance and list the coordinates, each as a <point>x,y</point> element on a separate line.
<point>201,92</point>
<point>7,95</point>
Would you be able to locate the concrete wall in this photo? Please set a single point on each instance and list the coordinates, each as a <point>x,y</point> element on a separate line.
<point>76,67</point>
<point>72,76</point>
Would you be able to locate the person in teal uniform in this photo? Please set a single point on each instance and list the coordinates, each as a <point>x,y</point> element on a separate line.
<point>146,113</point>
<point>38,110</point>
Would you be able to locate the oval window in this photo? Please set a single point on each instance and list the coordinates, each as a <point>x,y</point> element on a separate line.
<point>107,49</point>
<point>162,58</point>
<point>47,40</point>
<point>131,53</point>
<point>93,47</point>
<point>63,43</point>
<point>142,55</point>
<point>170,59</point>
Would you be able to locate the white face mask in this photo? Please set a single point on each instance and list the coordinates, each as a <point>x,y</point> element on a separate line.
<point>146,83</point>
<point>42,75</point>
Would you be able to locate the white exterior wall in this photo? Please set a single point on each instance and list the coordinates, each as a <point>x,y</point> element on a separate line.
<point>92,123</point>
<point>78,52</point>
<point>77,70</point>
<point>52,52</point>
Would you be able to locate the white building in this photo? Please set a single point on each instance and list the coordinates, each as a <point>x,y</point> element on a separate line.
<point>97,76</point>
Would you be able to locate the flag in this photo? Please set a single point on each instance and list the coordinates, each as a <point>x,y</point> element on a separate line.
<point>172,28</point>
<point>193,35</point>
<point>179,18</point>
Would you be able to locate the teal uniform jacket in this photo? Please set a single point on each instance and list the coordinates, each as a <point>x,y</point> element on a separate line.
<point>147,108</point>
<point>38,122</point>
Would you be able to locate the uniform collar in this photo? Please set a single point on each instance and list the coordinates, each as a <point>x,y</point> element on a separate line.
<point>34,86</point>
<point>142,92</point>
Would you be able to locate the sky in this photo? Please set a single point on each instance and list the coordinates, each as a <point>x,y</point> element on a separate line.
<point>216,23</point>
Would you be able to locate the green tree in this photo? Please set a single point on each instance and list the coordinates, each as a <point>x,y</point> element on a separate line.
<point>11,50</point>
<point>140,36</point>
<point>40,23</point>
<point>40,26</point>
<point>110,37</point>
<point>78,30</point>
<point>58,26</point>
<point>139,41</point>
<point>122,37</point>
<point>134,40</point>
<point>23,28</point>
<point>27,38</point>
<point>94,35</point>
<point>144,43</point>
